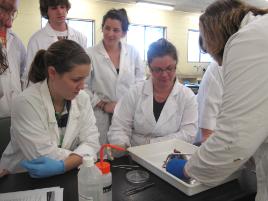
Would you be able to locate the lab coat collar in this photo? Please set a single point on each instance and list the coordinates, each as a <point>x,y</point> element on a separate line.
<point>10,33</point>
<point>123,53</point>
<point>47,100</point>
<point>73,113</point>
<point>10,36</point>
<point>176,88</point>
<point>73,121</point>
<point>73,118</point>
<point>147,106</point>
<point>51,32</point>
<point>148,88</point>
<point>249,17</point>
<point>169,108</point>
<point>100,48</point>
<point>124,49</point>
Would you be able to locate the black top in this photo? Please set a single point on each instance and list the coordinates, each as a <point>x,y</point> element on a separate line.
<point>158,109</point>
<point>62,119</point>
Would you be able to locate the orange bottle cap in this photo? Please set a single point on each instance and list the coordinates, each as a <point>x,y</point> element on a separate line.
<point>104,167</point>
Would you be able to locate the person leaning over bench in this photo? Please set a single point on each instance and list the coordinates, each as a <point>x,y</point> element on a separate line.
<point>52,121</point>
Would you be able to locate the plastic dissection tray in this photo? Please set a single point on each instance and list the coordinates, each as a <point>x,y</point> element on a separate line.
<point>152,157</point>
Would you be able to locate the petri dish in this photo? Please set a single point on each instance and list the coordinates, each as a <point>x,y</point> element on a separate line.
<point>137,176</point>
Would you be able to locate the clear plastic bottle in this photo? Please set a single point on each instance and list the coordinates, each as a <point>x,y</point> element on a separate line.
<point>90,181</point>
<point>105,167</point>
<point>106,180</point>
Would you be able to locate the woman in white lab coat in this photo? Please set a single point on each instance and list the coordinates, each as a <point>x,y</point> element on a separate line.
<point>15,55</point>
<point>56,29</point>
<point>235,34</point>
<point>158,109</point>
<point>52,121</point>
<point>209,99</point>
<point>115,67</point>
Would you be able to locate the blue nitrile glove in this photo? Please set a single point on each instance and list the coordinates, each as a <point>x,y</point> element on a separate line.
<point>175,167</point>
<point>43,167</point>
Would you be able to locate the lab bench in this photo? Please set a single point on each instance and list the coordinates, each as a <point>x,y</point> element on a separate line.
<point>236,190</point>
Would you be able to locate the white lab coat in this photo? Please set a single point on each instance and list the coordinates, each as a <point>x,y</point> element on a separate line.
<point>42,39</point>
<point>10,80</point>
<point>134,122</point>
<point>209,96</point>
<point>35,133</point>
<point>241,127</point>
<point>105,84</point>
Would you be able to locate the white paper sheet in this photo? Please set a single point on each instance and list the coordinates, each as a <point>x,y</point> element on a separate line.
<point>44,194</point>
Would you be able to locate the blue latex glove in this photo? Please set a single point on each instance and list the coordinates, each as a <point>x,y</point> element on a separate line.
<point>43,167</point>
<point>175,167</point>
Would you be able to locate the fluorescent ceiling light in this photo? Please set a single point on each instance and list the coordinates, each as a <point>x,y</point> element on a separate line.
<point>149,4</point>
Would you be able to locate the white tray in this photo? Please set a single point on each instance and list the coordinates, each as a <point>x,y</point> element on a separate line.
<point>152,157</point>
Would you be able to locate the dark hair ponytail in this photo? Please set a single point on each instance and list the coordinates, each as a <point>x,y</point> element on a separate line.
<point>38,71</point>
<point>118,14</point>
<point>63,55</point>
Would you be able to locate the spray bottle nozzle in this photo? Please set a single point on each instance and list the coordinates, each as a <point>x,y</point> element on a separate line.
<point>105,166</point>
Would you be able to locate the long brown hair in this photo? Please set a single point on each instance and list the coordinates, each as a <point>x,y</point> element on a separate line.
<point>63,55</point>
<point>221,20</point>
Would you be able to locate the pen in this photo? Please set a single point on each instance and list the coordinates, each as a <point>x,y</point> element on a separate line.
<point>138,189</point>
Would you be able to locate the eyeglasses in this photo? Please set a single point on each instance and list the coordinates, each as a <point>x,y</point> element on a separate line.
<point>158,70</point>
